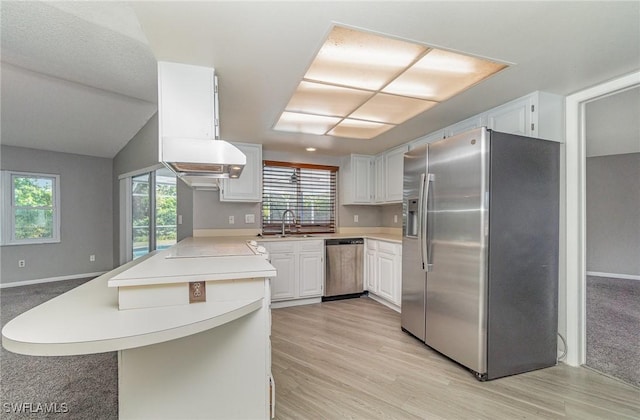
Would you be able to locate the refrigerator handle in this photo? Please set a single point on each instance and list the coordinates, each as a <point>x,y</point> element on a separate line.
<point>422,220</point>
<point>426,243</point>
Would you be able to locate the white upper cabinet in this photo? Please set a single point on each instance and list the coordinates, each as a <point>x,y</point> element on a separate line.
<point>247,188</point>
<point>513,117</point>
<point>394,172</point>
<point>373,179</point>
<point>429,138</point>
<point>357,180</point>
<point>380,171</point>
<point>538,114</point>
<point>186,100</point>
<point>465,125</point>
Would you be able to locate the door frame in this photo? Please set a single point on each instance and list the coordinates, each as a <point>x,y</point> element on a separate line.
<point>574,241</point>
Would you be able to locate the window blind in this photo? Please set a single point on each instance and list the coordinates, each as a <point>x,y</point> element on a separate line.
<point>307,190</point>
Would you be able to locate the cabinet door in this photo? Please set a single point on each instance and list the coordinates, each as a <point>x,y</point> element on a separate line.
<point>466,125</point>
<point>379,170</point>
<point>310,274</point>
<point>186,98</point>
<point>371,272</point>
<point>394,165</point>
<point>283,285</point>
<point>429,138</point>
<point>247,188</point>
<point>397,278</point>
<point>386,273</point>
<point>513,117</point>
<point>362,168</point>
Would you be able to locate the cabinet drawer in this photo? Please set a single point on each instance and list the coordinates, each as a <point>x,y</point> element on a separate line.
<point>281,247</point>
<point>316,245</point>
<point>372,244</point>
<point>388,247</point>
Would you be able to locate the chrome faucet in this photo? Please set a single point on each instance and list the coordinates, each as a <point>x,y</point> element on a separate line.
<point>284,218</point>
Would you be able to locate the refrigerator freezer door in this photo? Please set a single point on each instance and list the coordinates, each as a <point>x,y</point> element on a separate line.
<point>413,275</point>
<point>458,224</point>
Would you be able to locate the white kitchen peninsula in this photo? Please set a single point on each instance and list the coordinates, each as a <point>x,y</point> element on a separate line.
<point>209,359</point>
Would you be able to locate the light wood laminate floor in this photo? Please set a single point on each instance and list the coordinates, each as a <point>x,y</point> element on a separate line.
<point>350,359</point>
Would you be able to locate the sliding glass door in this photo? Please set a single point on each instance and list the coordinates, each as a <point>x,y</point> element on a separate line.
<point>153,211</point>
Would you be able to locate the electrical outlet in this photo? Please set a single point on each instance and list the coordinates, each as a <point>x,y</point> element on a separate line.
<point>232,220</point>
<point>395,218</point>
<point>249,218</point>
<point>179,219</point>
<point>92,258</point>
<point>355,218</point>
<point>22,263</point>
<point>197,291</point>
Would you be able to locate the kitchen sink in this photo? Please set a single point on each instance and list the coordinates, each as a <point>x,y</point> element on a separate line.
<point>290,235</point>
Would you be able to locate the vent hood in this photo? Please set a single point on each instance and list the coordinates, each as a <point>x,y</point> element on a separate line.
<point>189,127</point>
<point>201,162</point>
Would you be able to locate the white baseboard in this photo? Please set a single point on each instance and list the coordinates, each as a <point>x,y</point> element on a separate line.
<point>384,302</point>
<point>613,275</point>
<point>295,302</point>
<point>51,279</point>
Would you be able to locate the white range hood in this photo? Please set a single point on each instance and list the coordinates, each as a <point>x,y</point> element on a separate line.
<point>201,162</point>
<point>189,127</point>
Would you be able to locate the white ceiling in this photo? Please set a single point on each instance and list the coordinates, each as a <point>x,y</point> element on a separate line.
<point>91,82</point>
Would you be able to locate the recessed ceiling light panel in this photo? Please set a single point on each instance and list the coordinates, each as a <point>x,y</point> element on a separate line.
<point>323,99</point>
<point>360,59</point>
<point>362,84</point>
<point>358,129</point>
<point>439,75</point>
<point>305,123</point>
<point>391,109</point>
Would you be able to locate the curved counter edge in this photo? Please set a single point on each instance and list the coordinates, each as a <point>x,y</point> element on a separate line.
<point>86,320</point>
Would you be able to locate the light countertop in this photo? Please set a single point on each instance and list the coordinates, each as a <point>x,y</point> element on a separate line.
<point>86,320</point>
<point>389,237</point>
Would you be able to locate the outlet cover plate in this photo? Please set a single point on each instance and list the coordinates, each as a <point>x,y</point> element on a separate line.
<point>197,291</point>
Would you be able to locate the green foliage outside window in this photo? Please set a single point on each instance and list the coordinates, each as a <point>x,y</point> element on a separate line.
<point>33,199</point>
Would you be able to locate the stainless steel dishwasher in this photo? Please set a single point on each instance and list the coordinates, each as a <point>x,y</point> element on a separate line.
<point>344,268</point>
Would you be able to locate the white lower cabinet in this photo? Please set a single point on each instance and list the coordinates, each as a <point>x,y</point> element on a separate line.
<point>383,271</point>
<point>300,267</point>
<point>283,286</point>
<point>311,272</point>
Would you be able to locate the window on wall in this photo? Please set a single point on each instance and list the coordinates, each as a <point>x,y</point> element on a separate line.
<point>153,211</point>
<point>309,191</point>
<point>31,208</point>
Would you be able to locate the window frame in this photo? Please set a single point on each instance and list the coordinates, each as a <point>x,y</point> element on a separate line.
<point>9,208</point>
<point>302,228</point>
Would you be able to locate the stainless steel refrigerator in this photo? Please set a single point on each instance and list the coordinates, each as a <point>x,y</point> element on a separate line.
<point>480,250</point>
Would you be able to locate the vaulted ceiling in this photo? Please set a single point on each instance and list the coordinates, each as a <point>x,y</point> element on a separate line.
<point>80,77</point>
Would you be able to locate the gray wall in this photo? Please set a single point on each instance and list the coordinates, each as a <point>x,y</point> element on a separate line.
<point>388,212</point>
<point>613,214</point>
<point>86,223</point>
<point>210,213</point>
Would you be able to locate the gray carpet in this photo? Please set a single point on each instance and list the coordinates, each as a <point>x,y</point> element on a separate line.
<point>86,387</point>
<point>613,327</point>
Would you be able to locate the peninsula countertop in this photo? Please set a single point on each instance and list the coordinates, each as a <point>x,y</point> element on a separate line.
<point>87,319</point>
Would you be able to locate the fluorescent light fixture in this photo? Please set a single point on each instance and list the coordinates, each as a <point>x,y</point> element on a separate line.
<point>439,75</point>
<point>391,109</point>
<point>329,100</point>
<point>310,149</point>
<point>362,84</point>
<point>359,129</point>
<point>305,123</point>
